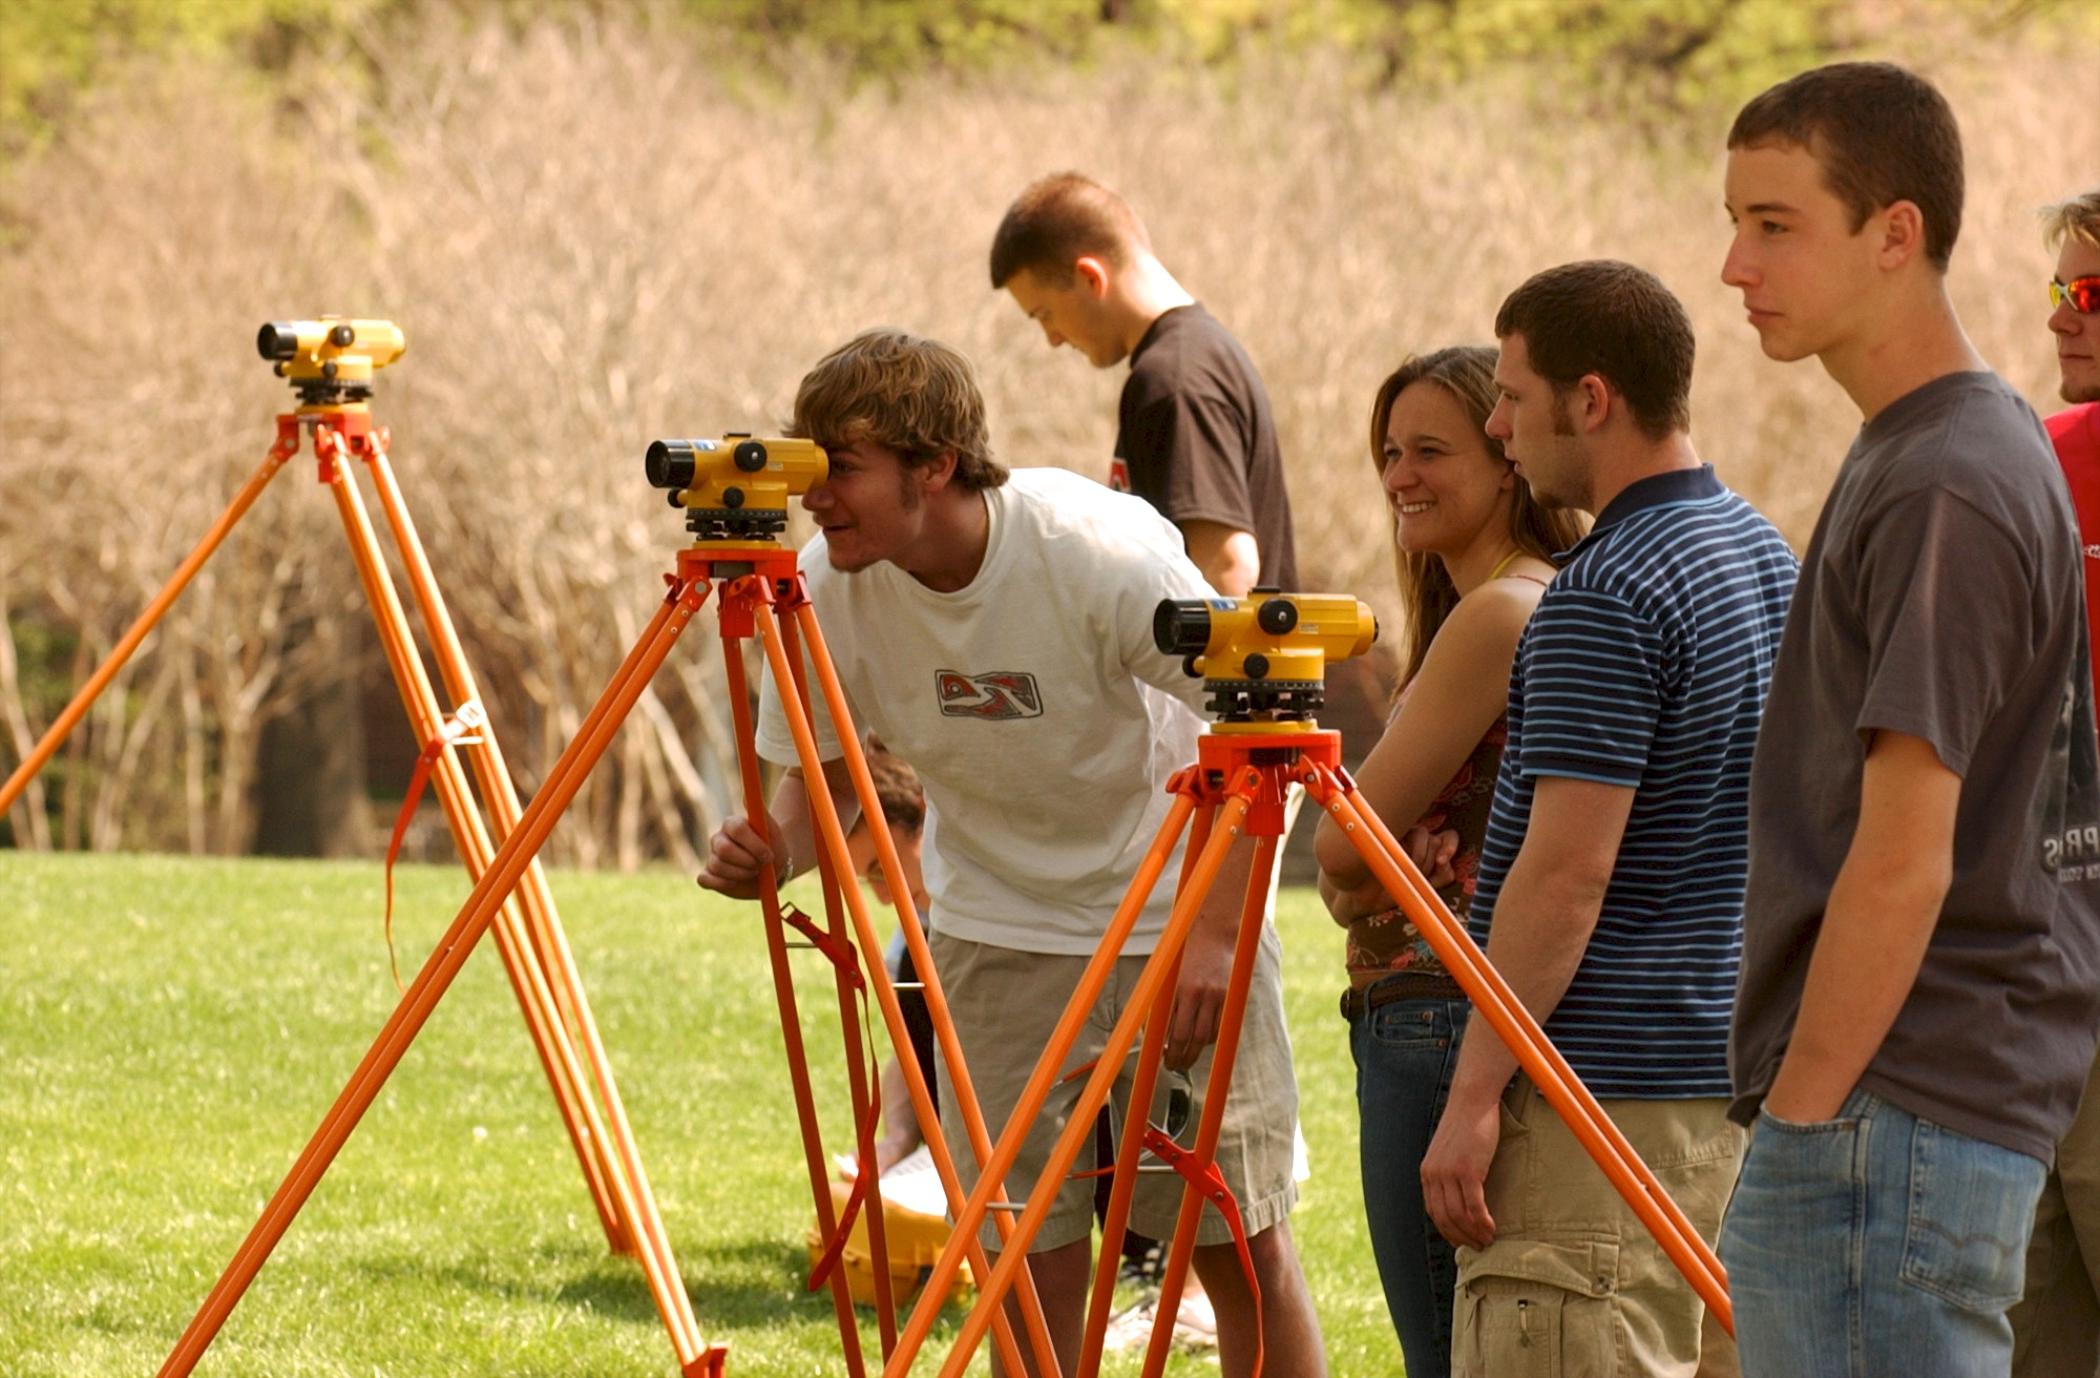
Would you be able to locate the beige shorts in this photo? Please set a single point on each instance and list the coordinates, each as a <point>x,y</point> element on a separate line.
<point>1006,1004</point>
<point>1574,1284</point>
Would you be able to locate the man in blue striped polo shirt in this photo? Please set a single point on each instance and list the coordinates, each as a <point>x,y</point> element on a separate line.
<point>1611,882</point>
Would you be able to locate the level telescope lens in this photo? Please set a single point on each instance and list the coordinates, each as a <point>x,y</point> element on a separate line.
<point>671,463</point>
<point>1181,626</point>
<point>278,340</point>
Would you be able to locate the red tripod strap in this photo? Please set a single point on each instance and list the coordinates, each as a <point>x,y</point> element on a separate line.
<point>1210,1184</point>
<point>455,730</point>
<point>820,1271</point>
<point>838,951</point>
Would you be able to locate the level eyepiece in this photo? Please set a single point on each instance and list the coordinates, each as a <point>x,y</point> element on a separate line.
<point>278,341</point>
<point>1181,626</point>
<point>672,463</point>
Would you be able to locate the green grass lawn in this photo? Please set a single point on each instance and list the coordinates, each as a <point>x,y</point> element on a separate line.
<point>172,1030</point>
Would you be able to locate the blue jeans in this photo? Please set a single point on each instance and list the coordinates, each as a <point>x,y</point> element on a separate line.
<point>1876,1244</point>
<point>1404,1054</point>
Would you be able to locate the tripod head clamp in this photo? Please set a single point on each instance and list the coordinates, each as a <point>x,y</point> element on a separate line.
<point>330,361</point>
<point>1265,653</point>
<point>735,488</point>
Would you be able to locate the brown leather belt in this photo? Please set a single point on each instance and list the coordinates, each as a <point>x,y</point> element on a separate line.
<point>1403,985</point>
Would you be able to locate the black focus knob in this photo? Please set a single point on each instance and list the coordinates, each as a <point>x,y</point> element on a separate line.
<point>732,497</point>
<point>1257,666</point>
<point>341,336</point>
<point>749,456</point>
<point>1277,616</point>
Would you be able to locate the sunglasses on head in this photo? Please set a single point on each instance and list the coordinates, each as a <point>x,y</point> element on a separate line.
<point>2083,294</point>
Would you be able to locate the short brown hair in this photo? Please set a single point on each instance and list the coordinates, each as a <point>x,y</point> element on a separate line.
<point>1614,320</point>
<point>1880,133</point>
<point>914,396</point>
<point>2076,217</point>
<point>897,788</point>
<point>1060,219</point>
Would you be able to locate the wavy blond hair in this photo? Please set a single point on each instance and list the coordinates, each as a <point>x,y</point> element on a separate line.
<point>911,395</point>
<point>2075,217</point>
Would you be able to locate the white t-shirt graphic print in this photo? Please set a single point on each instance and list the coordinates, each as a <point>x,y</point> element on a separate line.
<point>1041,718</point>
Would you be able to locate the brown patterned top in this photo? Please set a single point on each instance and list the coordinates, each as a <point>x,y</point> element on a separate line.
<point>1386,942</point>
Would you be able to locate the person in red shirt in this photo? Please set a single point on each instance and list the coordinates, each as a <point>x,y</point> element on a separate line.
<point>2074,227</point>
<point>2056,1324</point>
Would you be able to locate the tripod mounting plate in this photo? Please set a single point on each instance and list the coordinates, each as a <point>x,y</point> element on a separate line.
<point>735,559</point>
<point>1277,753</point>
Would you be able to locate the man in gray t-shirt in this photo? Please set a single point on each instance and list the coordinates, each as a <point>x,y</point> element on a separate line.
<point>1941,599</point>
<point>1920,987</point>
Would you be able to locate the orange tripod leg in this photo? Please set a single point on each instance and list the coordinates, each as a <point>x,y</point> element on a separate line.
<point>962,1242</point>
<point>861,1087</point>
<point>1246,948</point>
<point>784,995</point>
<point>287,445</point>
<point>1079,1129</point>
<point>1521,1033</point>
<point>521,963</point>
<point>1131,1147</point>
<point>542,924</point>
<point>429,987</point>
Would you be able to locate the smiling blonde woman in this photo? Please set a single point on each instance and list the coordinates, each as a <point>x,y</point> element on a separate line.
<point>1470,544</point>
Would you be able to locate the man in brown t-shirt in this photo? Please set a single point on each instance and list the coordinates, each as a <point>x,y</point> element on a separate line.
<point>1195,435</point>
<point>1920,989</point>
<point>1197,440</point>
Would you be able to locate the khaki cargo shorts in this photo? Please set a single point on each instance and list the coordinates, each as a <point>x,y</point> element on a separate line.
<point>1574,1284</point>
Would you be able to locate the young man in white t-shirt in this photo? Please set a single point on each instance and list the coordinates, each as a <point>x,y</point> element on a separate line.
<point>995,631</point>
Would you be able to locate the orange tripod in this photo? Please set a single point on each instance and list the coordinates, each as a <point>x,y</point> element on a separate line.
<point>1240,783</point>
<point>330,363</point>
<point>755,575</point>
<point>534,950</point>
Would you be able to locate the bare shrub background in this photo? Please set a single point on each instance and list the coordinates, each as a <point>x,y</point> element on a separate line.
<point>595,235</point>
